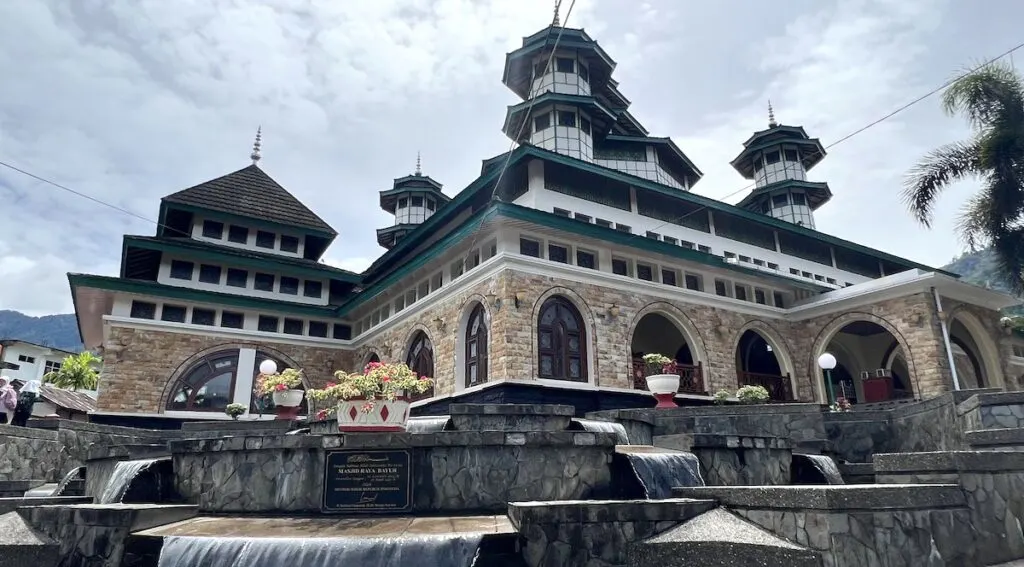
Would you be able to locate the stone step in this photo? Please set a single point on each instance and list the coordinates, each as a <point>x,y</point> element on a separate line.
<point>18,488</point>
<point>719,537</point>
<point>992,439</point>
<point>857,473</point>
<point>20,544</point>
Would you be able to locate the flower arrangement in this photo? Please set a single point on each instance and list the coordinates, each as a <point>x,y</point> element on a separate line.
<point>841,404</point>
<point>378,381</point>
<point>288,379</point>
<point>235,410</point>
<point>655,363</point>
<point>752,395</point>
<point>722,396</point>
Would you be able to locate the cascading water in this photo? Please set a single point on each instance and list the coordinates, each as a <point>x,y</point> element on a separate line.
<point>412,551</point>
<point>815,469</point>
<point>659,473</point>
<point>122,477</point>
<point>73,474</point>
<point>427,424</point>
<point>605,427</point>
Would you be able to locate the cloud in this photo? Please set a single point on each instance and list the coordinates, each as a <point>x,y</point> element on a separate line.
<point>130,101</point>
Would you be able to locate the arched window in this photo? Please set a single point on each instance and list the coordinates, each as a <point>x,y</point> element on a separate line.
<point>209,385</point>
<point>476,347</point>
<point>561,341</point>
<point>373,358</point>
<point>421,359</point>
<point>267,401</point>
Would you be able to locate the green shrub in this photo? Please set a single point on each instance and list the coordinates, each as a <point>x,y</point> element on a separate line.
<point>752,395</point>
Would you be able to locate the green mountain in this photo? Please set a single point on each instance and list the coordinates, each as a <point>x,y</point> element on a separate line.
<point>981,268</point>
<point>58,331</point>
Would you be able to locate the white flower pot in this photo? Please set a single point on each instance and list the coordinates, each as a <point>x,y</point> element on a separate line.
<point>288,398</point>
<point>353,416</point>
<point>663,383</point>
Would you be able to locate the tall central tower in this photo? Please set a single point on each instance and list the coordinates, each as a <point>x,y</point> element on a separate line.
<point>778,159</point>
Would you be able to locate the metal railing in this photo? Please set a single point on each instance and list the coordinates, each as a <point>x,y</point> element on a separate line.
<point>779,387</point>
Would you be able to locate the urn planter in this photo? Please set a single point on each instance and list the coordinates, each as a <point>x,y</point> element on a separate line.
<point>359,415</point>
<point>287,403</point>
<point>664,388</point>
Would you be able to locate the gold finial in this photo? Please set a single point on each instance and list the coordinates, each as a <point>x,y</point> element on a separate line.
<point>771,115</point>
<point>557,22</point>
<point>255,155</point>
<point>419,170</point>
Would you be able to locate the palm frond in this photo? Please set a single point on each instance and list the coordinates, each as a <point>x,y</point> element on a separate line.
<point>935,172</point>
<point>972,221</point>
<point>984,94</point>
<point>1009,247</point>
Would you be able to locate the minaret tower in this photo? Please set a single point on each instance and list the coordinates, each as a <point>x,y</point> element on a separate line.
<point>567,104</point>
<point>412,199</point>
<point>778,159</point>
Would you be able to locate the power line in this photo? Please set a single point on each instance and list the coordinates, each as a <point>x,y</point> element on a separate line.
<point>870,125</point>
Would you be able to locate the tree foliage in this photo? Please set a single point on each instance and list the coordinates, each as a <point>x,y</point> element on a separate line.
<point>77,372</point>
<point>991,98</point>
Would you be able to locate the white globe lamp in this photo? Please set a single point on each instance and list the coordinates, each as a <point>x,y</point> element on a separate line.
<point>268,367</point>
<point>827,361</point>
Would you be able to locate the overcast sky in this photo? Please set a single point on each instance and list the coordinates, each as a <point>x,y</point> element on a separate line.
<point>130,100</point>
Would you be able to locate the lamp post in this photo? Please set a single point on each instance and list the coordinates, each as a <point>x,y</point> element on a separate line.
<point>827,362</point>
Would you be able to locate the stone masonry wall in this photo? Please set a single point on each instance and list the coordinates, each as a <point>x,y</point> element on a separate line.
<point>28,454</point>
<point>137,376</point>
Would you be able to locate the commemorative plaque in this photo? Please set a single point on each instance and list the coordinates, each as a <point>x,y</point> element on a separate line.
<point>367,482</point>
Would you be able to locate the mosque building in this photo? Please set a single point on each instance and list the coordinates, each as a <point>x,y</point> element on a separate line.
<point>544,279</point>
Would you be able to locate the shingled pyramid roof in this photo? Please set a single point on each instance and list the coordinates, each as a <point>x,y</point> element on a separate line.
<point>251,193</point>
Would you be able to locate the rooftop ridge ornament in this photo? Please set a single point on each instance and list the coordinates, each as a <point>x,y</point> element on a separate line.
<point>771,115</point>
<point>556,22</point>
<point>419,170</point>
<point>255,155</point>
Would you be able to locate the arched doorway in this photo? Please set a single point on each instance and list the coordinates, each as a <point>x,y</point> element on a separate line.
<point>561,341</point>
<point>871,365</point>
<point>975,355</point>
<point>421,360</point>
<point>475,367</point>
<point>758,364</point>
<point>656,333</point>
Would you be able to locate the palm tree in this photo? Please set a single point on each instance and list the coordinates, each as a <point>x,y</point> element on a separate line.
<point>77,371</point>
<point>992,100</point>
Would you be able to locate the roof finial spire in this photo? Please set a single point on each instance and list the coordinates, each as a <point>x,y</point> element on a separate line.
<point>771,115</point>
<point>255,155</point>
<point>419,171</point>
<point>557,22</point>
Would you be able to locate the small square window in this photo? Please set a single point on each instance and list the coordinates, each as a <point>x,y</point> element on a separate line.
<point>584,124</point>
<point>799,199</point>
<point>209,274</point>
<point>721,289</point>
<point>203,316</point>
<point>313,289</point>
<point>263,282</point>
<point>729,254</point>
<point>790,155</point>
<point>687,244</point>
<point>620,267</point>
<point>289,286</point>
<point>567,118</point>
<point>26,359</point>
<point>758,262</point>
<point>669,240</point>
<point>741,292</point>
<point>806,274</point>
<point>581,217</point>
<point>143,310</point>
<point>318,329</point>
<point>181,270</point>
<point>624,228</point>
<point>780,200</point>
<point>780,299</point>
<point>213,229</point>
<point>238,234</point>
<point>586,259</point>
<point>745,259</point>
<point>293,326</point>
<point>794,271</point>
<point>456,267</point>
<point>653,235</point>
<point>403,203</point>
<point>772,157</point>
<point>759,296</point>
<point>558,253</point>
<point>529,247</point>
<point>831,280</point>
<point>172,314</point>
<point>237,278</point>
<point>265,239</point>
<point>819,277</point>
<point>342,332</point>
<point>773,266</point>
<point>542,122</point>
<point>416,201</point>
<point>604,223</point>
<point>645,272</point>
<point>668,277</point>
<point>232,320</point>
<point>702,248</point>
<point>583,73</point>
<point>693,282</point>
<point>565,65</point>
<point>562,212</point>
<point>430,205</point>
<point>267,324</point>
<point>289,243</point>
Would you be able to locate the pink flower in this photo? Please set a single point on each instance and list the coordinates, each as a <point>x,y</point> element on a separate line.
<point>322,414</point>
<point>280,387</point>
<point>424,378</point>
<point>385,379</point>
<point>331,384</point>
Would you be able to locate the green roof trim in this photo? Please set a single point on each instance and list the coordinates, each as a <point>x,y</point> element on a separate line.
<point>552,220</point>
<point>139,287</point>
<point>197,250</point>
<point>715,205</point>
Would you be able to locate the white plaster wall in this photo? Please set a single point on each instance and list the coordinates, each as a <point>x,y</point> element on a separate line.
<point>29,371</point>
